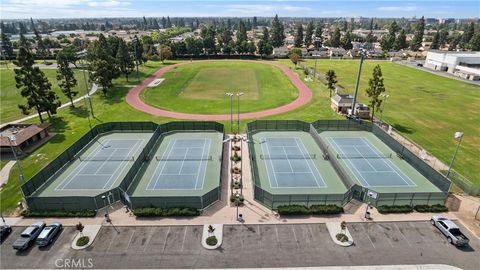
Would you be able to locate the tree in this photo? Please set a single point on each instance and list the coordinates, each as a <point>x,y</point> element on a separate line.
<point>66,77</point>
<point>169,23</point>
<point>443,37</point>
<point>375,89</point>
<point>7,47</point>
<point>401,41</point>
<point>124,59</point>
<point>264,45</point>
<point>254,23</point>
<point>278,35</point>
<point>370,37</point>
<point>309,34</point>
<point>475,41</point>
<point>318,35</point>
<point>418,35</point>
<point>241,32</point>
<point>335,38</point>
<point>467,36</point>
<point>165,52</point>
<point>435,42</point>
<point>294,58</point>
<point>298,42</point>
<point>347,41</point>
<point>331,78</point>
<point>42,50</point>
<point>103,65</point>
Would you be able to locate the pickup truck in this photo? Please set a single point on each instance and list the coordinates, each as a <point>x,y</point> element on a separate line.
<point>28,236</point>
<point>450,230</point>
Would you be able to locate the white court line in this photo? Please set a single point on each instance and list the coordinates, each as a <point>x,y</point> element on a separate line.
<point>286,157</point>
<point>206,162</point>
<point>201,162</point>
<point>122,164</point>
<point>365,159</point>
<point>303,149</point>
<point>155,175</point>
<point>183,161</point>
<point>395,168</point>
<point>105,161</point>
<point>338,149</point>
<point>77,170</point>
<point>265,142</point>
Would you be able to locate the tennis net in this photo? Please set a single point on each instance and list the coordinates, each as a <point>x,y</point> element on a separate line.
<point>305,156</point>
<point>377,156</point>
<point>183,158</point>
<point>100,158</point>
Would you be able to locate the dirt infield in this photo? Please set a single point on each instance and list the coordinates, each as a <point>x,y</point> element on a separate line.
<point>133,97</point>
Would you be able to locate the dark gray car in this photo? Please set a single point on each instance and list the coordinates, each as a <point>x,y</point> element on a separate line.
<point>48,234</point>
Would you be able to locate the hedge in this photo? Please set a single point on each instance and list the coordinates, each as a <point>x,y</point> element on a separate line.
<point>329,209</point>
<point>386,209</point>
<point>165,212</point>
<point>58,213</point>
<point>436,208</point>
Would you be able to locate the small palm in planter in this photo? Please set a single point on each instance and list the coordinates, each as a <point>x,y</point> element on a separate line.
<point>236,170</point>
<point>211,240</point>
<point>80,228</point>
<point>236,157</point>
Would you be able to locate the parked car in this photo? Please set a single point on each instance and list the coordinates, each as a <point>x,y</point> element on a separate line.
<point>5,230</point>
<point>450,230</point>
<point>28,236</point>
<point>48,234</point>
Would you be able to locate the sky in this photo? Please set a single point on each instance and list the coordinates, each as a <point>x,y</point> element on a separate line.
<point>19,9</point>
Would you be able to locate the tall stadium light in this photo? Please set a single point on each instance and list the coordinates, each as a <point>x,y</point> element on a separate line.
<point>237,202</point>
<point>107,217</point>
<point>239,94</point>
<point>362,58</point>
<point>316,39</point>
<point>13,140</point>
<point>135,41</point>
<point>458,136</point>
<point>229,94</point>
<point>81,55</point>
<point>385,97</point>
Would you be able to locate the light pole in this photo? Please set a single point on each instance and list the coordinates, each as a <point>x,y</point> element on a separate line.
<point>238,111</point>
<point>317,39</point>
<point>229,94</point>
<point>107,218</point>
<point>81,55</point>
<point>237,202</point>
<point>13,139</point>
<point>458,136</point>
<point>135,41</point>
<point>385,96</point>
<point>357,83</point>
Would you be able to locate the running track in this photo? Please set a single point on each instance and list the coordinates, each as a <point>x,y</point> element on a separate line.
<point>133,97</point>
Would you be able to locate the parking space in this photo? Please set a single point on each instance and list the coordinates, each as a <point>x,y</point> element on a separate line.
<point>280,245</point>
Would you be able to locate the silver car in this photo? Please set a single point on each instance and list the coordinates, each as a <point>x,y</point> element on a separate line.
<point>48,234</point>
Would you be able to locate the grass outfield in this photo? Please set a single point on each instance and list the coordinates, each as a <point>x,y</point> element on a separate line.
<point>425,107</point>
<point>10,96</point>
<point>187,88</point>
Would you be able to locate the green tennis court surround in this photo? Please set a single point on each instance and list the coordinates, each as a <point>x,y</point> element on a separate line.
<point>333,161</point>
<point>106,160</point>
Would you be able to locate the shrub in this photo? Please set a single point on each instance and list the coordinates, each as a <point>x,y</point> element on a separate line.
<point>236,157</point>
<point>329,209</point>
<point>293,210</point>
<point>48,63</point>
<point>236,148</point>
<point>341,237</point>
<point>59,213</point>
<point>212,240</point>
<point>236,185</point>
<point>82,241</point>
<point>233,199</point>
<point>236,170</point>
<point>165,212</point>
<point>386,209</point>
<point>436,208</point>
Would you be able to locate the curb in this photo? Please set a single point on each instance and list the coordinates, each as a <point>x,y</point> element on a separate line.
<point>89,230</point>
<point>334,229</point>
<point>218,233</point>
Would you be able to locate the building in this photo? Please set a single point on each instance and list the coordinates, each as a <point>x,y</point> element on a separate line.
<point>341,103</point>
<point>22,138</point>
<point>462,64</point>
<point>280,52</point>
<point>362,111</point>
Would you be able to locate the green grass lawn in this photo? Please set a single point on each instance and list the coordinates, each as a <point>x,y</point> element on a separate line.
<point>10,96</point>
<point>425,107</point>
<point>201,87</point>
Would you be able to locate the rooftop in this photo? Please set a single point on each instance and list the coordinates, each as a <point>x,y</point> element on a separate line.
<point>22,132</point>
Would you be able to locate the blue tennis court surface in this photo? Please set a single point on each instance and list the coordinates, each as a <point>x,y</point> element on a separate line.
<point>371,167</point>
<point>289,165</point>
<point>182,166</point>
<point>101,168</point>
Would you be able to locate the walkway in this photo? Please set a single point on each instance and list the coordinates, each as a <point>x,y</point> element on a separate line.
<point>304,96</point>
<point>5,172</point>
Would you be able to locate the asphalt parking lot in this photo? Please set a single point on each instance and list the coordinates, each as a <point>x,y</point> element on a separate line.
<point>282,245</point>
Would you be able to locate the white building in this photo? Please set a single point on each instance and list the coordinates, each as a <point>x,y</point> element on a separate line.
<point>462,64</point>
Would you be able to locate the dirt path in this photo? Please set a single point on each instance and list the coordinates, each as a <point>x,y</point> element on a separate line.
<point>304,96</point>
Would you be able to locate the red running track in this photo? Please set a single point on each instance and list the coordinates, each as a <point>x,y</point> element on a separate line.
<point>133,97</point>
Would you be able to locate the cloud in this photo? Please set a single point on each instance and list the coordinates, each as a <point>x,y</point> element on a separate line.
<point>259,9</point>
<point>400,8</point>
<point>112,3</point>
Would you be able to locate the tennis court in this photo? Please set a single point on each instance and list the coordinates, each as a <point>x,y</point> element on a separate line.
<point>100,168</point>
<point>183,165</point>
<point>289,164</point>
<point>368,164</point>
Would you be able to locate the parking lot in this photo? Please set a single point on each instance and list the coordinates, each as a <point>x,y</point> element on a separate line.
<point>282,245</point>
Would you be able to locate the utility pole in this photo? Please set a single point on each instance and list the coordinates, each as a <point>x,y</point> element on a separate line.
<point>357,83</point>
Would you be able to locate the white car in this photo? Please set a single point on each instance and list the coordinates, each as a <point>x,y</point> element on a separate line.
<point>450,230</point>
